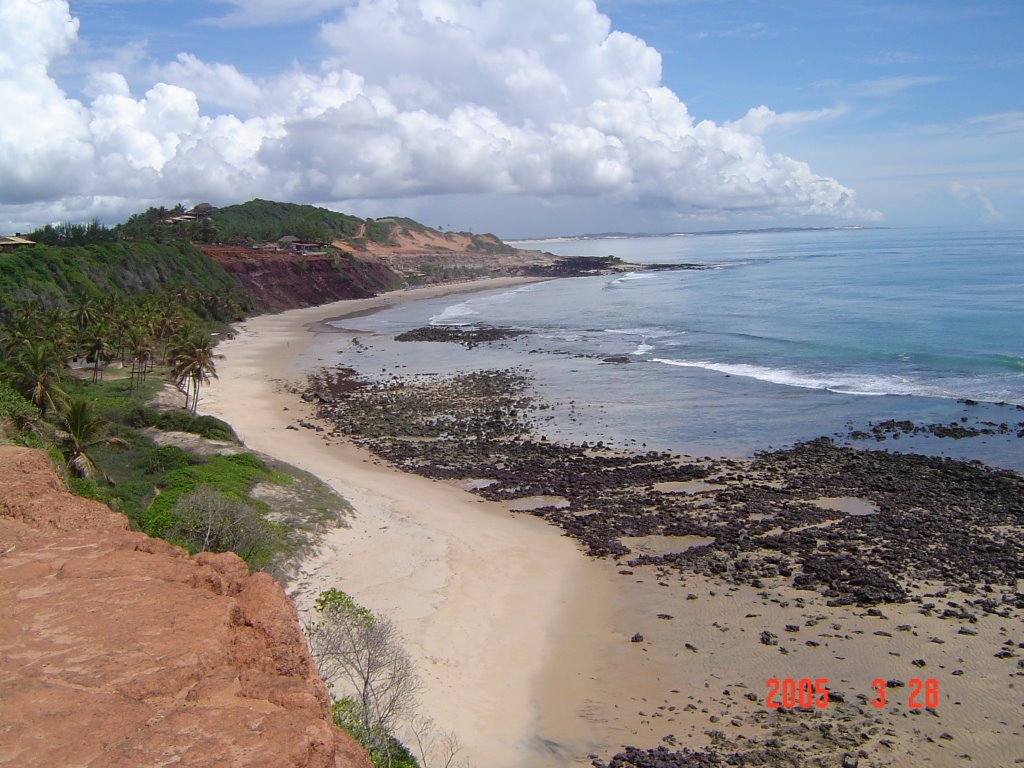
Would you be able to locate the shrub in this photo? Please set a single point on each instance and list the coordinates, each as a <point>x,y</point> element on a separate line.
<point>385,751</point>
<point>86,487</point>
<point>140,416</point>
<point>206,520</point>
<point>129,497</point>
<point>212,428</point>
<point>208,427</point>
<point>166,458</point>
<point>363,653</point>
<point>233,476</point>
<point>15,409</point>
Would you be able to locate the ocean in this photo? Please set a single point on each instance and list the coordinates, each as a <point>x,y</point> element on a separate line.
<point>771,339</point>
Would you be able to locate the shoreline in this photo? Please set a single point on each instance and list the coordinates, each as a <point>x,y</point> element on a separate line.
<point>483,608</point>
<point>525,643</point>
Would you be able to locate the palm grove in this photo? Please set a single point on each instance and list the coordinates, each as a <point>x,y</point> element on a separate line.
<point>92,323</point>
<point>39,342</point>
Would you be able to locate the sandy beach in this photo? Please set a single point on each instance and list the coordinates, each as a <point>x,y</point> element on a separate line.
<point>483,599</point>
<point>527,648</point>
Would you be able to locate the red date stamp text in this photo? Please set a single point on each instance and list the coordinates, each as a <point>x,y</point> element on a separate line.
<point>809,693</point>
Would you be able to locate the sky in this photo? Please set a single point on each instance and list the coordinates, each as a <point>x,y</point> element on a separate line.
<point>525,118</point>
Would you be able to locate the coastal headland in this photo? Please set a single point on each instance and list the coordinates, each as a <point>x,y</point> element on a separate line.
<point>692,652</point>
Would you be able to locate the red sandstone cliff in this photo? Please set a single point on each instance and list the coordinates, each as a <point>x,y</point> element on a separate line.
<point>278,280</point>
<point>281,280</point>
<point>119,650</point>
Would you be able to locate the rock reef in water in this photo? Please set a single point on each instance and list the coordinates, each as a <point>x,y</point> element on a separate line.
<point>121,650</point>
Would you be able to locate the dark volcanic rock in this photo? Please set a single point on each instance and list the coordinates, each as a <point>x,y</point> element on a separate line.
<point>661,757</point>
<point>960,523</point>
<point>468,337</point>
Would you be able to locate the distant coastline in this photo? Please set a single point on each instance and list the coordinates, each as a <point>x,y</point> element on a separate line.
<point>636,235</point>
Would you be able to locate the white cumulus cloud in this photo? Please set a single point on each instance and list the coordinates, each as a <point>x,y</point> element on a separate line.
<point>220,84</point>
<point>533,98</point>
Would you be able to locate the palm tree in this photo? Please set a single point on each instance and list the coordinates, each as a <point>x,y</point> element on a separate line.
<point>121,327</point>
<point>185,295</point>
<point>84,313</point>
<point>22,330</point>
<point>81,431</point>
<point>140,347</point>
<point>97,344</point>
<point>36,374</point>
<point>165,326</point>
<point>192,364</point>
<point>56,328</point>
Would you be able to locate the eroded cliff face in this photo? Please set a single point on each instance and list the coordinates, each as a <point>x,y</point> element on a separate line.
<point>120,650</point>
<point>426,252</point>
<point>278,280</point>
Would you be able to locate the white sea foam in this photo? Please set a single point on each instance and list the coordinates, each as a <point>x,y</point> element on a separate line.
<point>456,314</point>
<point>643,349</point>
<point>560,336</point>
<point>497,298</point>
<point>647,333</point>
<point>630,277</point>
<point>987,389</point>
<point>529,287</point>
<point>849,384</point>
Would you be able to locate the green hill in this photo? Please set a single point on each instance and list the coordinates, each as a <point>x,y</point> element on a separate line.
<point>266,220</point>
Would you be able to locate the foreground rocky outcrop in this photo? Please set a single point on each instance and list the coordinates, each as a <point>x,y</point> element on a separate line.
<point>121,650</point>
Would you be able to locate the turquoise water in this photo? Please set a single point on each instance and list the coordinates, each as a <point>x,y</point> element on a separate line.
<point>861,311</point>
<point>781,337</point>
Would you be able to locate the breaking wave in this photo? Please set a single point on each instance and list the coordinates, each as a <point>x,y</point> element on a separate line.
<point>979,388</point>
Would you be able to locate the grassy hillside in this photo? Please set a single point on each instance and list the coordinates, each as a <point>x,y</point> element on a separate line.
<point>266,220</point>
<point>53,274</point>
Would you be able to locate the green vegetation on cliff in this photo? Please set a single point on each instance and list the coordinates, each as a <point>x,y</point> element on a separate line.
<point>111,446</point>
<point>16,412</point>
<point>55,274</point>
<point>207,249</point>
<point>208,495</point>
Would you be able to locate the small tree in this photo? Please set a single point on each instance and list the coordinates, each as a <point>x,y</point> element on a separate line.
<point>436,749</point>
<point>140,347</point>
<point>16,412</point>
<point>96,342</point>
<point>361,651</point>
